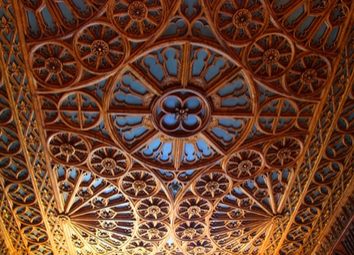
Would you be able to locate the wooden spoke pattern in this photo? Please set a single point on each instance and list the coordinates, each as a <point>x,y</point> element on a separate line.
<point>283,152</point>
<point>153,231</point>
<point>239,22</point>
<point>54,65</point>
<point>139,184</point>
<point>138,20</point>
<point>99,47</point>
<point>244,164</point>
<point>189,230</point>
<point>308,75</point>
<point>193,208</point>
<point>140,247</point>
<point>108,162</point>
<point>97,214</point>
<point>68,148</point>
<point>212,185</point>
<point>153,209</point>
<point>161,127</point>
<point>270,56</point>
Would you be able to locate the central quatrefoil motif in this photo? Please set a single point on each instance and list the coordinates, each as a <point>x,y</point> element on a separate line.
<point>181,113</point>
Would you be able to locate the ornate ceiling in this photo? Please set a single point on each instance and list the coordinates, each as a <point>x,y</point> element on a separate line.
<point>211,127</point>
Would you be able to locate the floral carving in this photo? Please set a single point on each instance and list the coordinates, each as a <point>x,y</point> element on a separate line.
<point>137,10</point>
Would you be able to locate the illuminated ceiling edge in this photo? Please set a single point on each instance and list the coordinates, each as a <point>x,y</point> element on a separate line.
<point>27,137</point>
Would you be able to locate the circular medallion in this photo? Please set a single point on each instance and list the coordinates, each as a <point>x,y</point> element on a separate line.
<point>100,47</point>
<point>54,65</point>
<point>193,209</point>
<point>239,22</point>
<point>308,75</point>
<point>138,20</point>
<point>270,56</point>
<point>153,208</point>
<point>68,148</point>
<point>283,152</point>
<point>139,184</point>
<point>244,164</point>
<point>181,113</point>
<point>109,162</point>
<point>212,185</point>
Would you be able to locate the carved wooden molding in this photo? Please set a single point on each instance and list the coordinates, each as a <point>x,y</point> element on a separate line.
<point>174,127</point>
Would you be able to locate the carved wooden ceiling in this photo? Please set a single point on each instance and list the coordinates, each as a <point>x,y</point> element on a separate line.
<point>176,127</point>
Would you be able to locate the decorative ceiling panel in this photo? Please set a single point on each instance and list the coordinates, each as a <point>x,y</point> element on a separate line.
<point>144,127</point>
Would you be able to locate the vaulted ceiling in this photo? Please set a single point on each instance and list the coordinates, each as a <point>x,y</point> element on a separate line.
<point>176,127</point>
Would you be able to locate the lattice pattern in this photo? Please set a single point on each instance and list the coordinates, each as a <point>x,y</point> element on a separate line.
<point>143,127</point>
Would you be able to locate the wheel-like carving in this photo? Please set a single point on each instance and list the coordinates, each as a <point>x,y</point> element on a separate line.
<point>153,209</point>
<point>68,148</point>
<point>189,230</point>
<point>244,164</point>
<point>193,208</point>
<point>138,20</point>
<point>270,56</point>
<point>283,152</point>
<point>54,65</point>
<point>308,75</point>
<point>212,185</point>
<point>109,162</point>
<point>139,247</point>
<point>99,47</point>
<point>153,231</point>
<point>239,22</point>
<point>139,184</point>
<point>200,247</point>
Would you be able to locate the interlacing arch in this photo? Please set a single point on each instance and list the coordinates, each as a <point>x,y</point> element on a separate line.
<point>200,127</point>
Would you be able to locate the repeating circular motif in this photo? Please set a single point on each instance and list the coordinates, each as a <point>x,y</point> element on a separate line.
<point>189,230</point>
<point>270,56</point>
<point>99,47</point>
<point>153,208</point>
<point>212,185</point>
<point>138,20</point>
<point>139,184</point>
<point>308,75</point>
<point>244,164</point>
<point>283,152</point>
<point>109,162</point>
<point>238,22</point>
<point>200,247</point>
<point>153,231</point>
<point>68,148</point>
<point>54,65</point>
<point>140,247</point>
<point>193,208</point>
<point>191,116</point>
